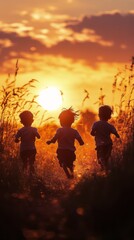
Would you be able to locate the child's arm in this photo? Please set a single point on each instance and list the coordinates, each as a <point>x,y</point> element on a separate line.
<point>48,142</point>
<point>116,134</point>
<point>16,140</point>
<point>37,135</point>
<point>114,131</point>
<point>93,130</point>
<point>79,139</point>
<point>54,139</point>
<point>17,137</point>
<point>81,142</point>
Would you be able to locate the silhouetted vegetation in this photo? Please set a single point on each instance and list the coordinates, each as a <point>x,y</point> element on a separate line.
<point>93,206</point>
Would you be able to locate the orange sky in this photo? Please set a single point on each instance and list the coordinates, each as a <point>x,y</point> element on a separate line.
<point>69,45</point>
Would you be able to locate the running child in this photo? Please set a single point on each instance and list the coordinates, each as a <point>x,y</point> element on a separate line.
<point>102,130</point>
<point>27,136</point>
<point>66,136</point>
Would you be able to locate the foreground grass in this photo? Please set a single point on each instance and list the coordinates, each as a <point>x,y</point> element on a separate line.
<point>94,206</point>
<point>97,207</point>
<point>101,207</point>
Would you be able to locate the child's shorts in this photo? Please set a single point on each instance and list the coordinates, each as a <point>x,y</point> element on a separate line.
<point>66,157</point>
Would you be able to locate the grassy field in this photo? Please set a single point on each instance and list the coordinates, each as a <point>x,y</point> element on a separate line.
<point>92,206</point>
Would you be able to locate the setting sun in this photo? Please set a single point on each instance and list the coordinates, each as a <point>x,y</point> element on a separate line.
<point>50,98</point>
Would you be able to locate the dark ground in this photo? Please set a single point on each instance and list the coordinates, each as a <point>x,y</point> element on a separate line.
<point>33,214</point>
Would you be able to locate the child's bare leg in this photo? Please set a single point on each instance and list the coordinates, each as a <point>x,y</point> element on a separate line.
<point>25,165</point>
<point>101,157</point>
<point>61,163</point>
<point>31,169</point>
<point>66,171</point>
<point>71,168</point>
<point>31,164</point>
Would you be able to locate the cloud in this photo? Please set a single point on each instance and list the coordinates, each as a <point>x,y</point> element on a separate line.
<point>95,39</point>
<point>109,36</point>
<point>86,35</point>
<point>5,43</point>
<point>112,27</point>
<point>14,46</point>
<point>18,28</point>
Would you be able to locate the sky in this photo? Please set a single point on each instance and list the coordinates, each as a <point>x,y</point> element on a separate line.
<point>71,44</point>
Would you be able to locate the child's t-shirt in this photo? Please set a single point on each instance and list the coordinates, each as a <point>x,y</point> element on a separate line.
<point>66,137</point>
<point>102,130</point>
<point>27,136</point>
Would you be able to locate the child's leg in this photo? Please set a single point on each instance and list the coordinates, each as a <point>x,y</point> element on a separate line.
<point>28,159</point>
<point>63,164</point>
<point>32,155</point>
<point>25,164</point>
<point>60,162</point>
<point>70,162</point>
<point>107,152</point>
<point>66,158</point>
<point>24,158</point>
<point>100,154</point>
<point>70,166</point>
<point>60,156</point>
<point>103,154</point>
<point>66,171</point>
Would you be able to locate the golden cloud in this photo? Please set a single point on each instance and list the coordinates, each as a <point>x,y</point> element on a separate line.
<point>19,28</point>
<point>5,43</point>
<point>41,15</point>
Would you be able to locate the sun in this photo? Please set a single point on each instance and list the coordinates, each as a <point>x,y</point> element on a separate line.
<point>50,98</point>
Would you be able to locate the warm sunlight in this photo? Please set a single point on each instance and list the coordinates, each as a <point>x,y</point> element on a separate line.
<point>50,98</point>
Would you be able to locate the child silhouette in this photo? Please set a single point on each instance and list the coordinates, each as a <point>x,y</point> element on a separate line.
<point>27,136</point>
<point>102,130</point>
<point>65,136</point>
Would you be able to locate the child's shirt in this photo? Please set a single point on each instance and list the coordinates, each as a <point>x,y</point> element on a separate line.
<point>65,137</point>
<point>27,136</point>
<point>102,130</point>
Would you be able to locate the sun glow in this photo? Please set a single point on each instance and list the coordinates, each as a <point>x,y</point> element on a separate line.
<point>50,98</point>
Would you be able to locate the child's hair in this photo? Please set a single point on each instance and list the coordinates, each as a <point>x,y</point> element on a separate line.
<point>26,118</point>
<point>105,112</point>
<point>67,117</point>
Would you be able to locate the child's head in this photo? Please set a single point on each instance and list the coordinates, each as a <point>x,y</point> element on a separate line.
<point>67,117</point>
<point>105,112</point>
<point>26,118</point>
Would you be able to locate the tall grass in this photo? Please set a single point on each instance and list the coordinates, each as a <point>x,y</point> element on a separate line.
<point>96,206</point>
<point>15,99</point>
<point>123,87</point>
<point>100,207</point>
